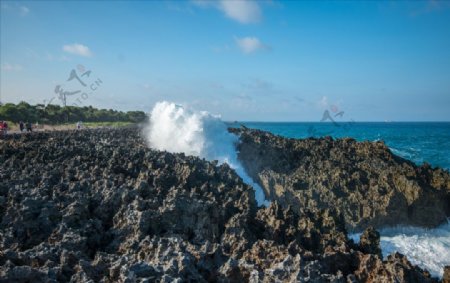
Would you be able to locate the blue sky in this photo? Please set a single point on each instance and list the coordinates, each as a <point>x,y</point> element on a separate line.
<point>244,60</point>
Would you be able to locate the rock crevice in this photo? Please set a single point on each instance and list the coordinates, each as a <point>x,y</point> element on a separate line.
<point>99,206</point>
<point>364,181</point>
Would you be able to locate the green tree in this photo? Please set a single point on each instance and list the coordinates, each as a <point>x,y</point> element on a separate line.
<point>55,114</point>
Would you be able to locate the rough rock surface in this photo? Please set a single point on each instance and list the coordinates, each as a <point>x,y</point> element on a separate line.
<point>364,181</point>
<point>99,206</point>
<point>446,277</point>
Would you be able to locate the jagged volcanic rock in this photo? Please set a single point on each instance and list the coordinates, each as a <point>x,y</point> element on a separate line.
<point>446,278</point>
<point>364,181</point>
<point>99,206</point>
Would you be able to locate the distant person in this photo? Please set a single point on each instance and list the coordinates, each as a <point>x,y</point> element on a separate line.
<point>1,128</point>
<point>21,126</point>
<point>29,127</point>
<point>79,123</point>
<point>5,127</point>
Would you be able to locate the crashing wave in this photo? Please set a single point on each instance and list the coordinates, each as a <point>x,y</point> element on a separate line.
<point>175,128</point>
<point>427,248</point>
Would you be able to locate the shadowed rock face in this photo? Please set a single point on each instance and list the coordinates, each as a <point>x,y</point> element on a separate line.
<point>100,206</point>
<point>364,181</point>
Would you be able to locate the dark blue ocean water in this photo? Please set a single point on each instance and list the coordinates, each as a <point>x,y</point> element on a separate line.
<point>417,141</point>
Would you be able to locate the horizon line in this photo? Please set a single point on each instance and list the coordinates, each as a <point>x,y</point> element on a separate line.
<point>339,122</point>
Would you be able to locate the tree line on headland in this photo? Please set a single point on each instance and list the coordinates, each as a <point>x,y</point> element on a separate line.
<point>55,114</point>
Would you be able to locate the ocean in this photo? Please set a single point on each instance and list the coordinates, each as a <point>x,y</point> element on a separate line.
<point>179,129</point>
<point>416,141</point>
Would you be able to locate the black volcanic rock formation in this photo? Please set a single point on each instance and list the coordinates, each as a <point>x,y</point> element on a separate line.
<point>99,206</point>
<point>363,181</point>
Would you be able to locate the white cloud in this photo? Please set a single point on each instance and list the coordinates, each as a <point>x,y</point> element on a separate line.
<point>11,67</point>
<point>250,44</point>
<point>243,11</point>
<point>78,49</point>
<point>24,11</point>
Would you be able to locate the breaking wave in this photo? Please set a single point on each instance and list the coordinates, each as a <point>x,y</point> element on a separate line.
<point>176,129</point>
<point>427,248</point>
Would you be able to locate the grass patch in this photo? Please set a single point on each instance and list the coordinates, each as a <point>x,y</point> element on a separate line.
<point>106,124</point>
<point>65,126</point>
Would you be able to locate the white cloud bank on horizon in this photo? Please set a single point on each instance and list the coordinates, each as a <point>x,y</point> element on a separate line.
<point>78,49</point>
<point>250,44</point>
<point>242,11</point>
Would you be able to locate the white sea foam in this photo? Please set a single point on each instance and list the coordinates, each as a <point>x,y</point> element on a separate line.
<point>178,129</point>
<point>175,128</point>
<point>427,248</point>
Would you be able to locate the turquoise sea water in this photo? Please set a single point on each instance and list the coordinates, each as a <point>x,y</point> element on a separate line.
<point>178,129</point>
<point>417,141</point>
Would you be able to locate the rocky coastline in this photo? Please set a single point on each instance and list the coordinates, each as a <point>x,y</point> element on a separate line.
<point>364,181</point>
<point>100,206</point>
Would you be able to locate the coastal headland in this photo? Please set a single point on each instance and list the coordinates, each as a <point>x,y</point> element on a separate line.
<point>99,205</point>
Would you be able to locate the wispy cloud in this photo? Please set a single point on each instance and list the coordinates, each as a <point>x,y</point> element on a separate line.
<point>242,11</point>
<point>216,85</point>
<point>179,7</point>
<point>47,56</point>
<point>15,8</point>
<point>11,67</point>
<point>299,99</point>
<point>78,49</point>
<point>24,11</point>
<point>220,49</point>
<point>146,86</point>
<point>257,84</point>
<point>323,102</point>
<point>244,96</point>
<point>51,57</point>
<point>430,6</point>
<point>250,44</point>
<point>242,101</point>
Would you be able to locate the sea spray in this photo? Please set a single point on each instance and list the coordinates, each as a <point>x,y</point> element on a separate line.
<point>427,248</point>
<point>175,128</point>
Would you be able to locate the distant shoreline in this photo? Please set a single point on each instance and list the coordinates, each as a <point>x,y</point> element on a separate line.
<point>339,122</point>
<point>14,127</point>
